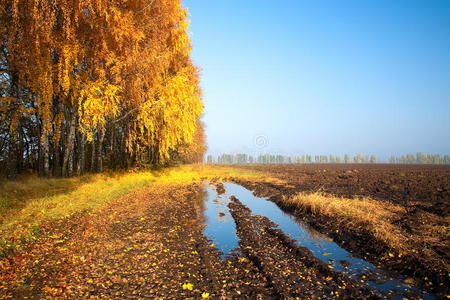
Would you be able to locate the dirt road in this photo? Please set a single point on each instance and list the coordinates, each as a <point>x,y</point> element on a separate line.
<point>149,244</point>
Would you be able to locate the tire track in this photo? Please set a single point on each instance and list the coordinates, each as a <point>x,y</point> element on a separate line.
<point>292,270</point>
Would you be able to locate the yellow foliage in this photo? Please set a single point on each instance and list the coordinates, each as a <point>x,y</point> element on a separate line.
<point>100,102</point>
<point>124,65</point>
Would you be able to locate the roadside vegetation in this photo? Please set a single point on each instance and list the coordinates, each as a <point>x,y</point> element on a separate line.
<point>381,218</point>
<point>27,203</point>
<point>376,216</point>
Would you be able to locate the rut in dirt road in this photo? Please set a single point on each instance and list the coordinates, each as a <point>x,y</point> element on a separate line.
<point>292,270</point>
<point>428,272</point>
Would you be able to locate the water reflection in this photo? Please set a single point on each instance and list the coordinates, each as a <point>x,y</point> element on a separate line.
<point>221,229</point>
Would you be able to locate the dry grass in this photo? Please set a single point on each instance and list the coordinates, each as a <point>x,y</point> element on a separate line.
<point>373,215</point>
<point>427,239</point>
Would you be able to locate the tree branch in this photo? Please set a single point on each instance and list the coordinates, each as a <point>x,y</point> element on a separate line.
<point>132,111</point>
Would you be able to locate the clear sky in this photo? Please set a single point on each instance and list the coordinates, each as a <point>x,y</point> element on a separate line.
<point>324,77</point>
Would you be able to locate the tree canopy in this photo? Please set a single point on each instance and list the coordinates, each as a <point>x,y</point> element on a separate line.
<point>87,82</point>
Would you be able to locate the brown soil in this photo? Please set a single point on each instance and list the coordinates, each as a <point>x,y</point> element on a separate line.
<point>422,190</point>
<point>149,244</point>
<point>220,188</point>
<point>292,271</point>
<point>426,187</point>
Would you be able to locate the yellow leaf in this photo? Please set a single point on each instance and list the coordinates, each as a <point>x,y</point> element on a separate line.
<point>409,281</point>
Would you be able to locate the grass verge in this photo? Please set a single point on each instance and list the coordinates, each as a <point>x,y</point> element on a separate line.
<point>31,201</point>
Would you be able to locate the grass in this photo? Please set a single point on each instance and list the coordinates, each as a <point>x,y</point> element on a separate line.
<point>30,201</point>
<point>15,194</point>
<point>425,240</point>
<point>376,216</point>
<point>35,199</point>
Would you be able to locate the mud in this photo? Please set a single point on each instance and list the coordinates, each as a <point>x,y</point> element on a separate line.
<point>422,190</point>
<point>425,187</point>
<point>292,271</point>
<point>151,244</point>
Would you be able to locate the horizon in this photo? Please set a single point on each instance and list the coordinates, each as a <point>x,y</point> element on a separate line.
<point>358,158</point>
<point>324,78</point>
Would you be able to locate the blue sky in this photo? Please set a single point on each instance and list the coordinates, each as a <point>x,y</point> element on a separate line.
<point>324,77</point>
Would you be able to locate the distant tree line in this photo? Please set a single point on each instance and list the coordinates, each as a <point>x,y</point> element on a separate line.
<point>421,158</point>
<point>242,158</point>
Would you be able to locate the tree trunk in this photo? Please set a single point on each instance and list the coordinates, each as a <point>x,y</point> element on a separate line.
<point>70,162</point>
<point>20,150</point>
<point>123,155</point>
<point>156,161</point>
<point>67,167</point>
<point>57,138</point>
<point>81,165</point>
<point>112,157</point>
<point>93,155</point>
<point>99,154</point>
<point>44,166</point>
<point>56,162</point>
<point>40,158</point>
<point>12,158</point>
<point>14,126</point>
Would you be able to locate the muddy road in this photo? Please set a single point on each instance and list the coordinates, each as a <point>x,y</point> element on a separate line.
<point>291,271</point>
<point>197,241</point>
<point>420,192</point>
<point>291,253</point>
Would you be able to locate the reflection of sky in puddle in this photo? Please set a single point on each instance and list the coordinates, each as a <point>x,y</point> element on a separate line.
<point>220,227</point>
<point>223,233</point>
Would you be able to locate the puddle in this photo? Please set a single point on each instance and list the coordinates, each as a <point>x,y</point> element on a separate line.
<point>220,228</point>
